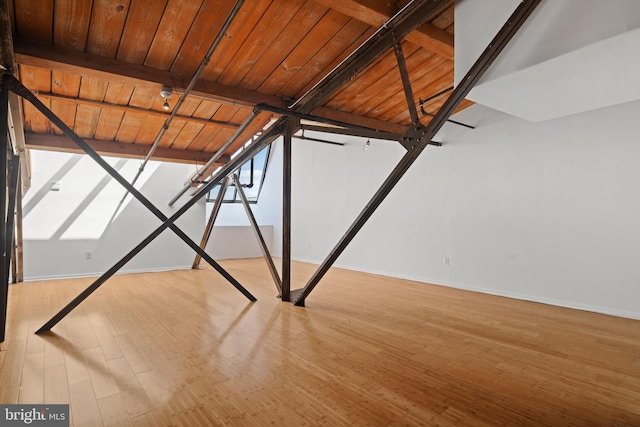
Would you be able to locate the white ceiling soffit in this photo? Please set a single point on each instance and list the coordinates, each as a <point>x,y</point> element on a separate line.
<point>572,56</point>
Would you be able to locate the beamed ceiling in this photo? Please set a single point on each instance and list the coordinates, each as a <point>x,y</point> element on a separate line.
<point>100,64</point>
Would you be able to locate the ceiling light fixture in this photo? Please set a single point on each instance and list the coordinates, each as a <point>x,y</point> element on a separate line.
<point>166,93</point>
<point>367,145</point>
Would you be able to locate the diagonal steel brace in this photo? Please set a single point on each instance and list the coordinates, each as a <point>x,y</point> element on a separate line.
<point>18,88</point>
<point>420,141</point>
<point>262,142</point>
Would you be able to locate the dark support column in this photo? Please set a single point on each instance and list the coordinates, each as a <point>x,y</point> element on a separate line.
<point>14,174</point>
<point>4,148</point>
<point>258,233</point>
<point>14,268</point>
<point>286,212</point>
<point>19,242</point>
<point>423,138</point>
<point>212,219</point>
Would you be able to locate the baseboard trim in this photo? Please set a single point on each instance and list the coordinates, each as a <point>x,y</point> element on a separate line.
<point>490,291</point>
<point>97,274</point>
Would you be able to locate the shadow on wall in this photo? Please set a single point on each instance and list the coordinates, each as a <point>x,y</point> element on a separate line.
<point>74,224</point>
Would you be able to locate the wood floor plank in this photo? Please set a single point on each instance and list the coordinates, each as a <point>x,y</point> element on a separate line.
<point>32,381</point>
<point>154,387</point>
<point>133,395</point>
<point>56,387</point>
<point>76,366</point>
<point>83,405</point>
<point>185,348</point>
<point>113,411</point>
<point>129,349</point>
<point>101,376</point>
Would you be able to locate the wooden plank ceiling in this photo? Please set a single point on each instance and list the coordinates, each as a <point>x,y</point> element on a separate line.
<point>100,65</point>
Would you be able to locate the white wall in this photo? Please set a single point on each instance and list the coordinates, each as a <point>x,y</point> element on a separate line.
<point>237,241</point>
<point>546,212</point>
<point>61,227</point>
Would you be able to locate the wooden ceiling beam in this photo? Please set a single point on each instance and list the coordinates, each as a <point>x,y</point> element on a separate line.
<point>377,12</point>
<point>128,108</point>
<point>7,60</point>
<point>86,64</point>
<point>118,149</point>
<point>66,60</point>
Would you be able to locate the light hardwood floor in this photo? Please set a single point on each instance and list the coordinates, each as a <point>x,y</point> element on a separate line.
<point>185,348</point>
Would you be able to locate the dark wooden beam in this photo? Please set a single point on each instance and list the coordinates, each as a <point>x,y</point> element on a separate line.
<point>7,59</point>
<point>117,149</point>
<point>128,108</point>
<point>377,12</point>
<point>66,60</point>
<point>86,64</point>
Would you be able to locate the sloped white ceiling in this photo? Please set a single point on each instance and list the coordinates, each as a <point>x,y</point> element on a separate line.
<point>571,56</point>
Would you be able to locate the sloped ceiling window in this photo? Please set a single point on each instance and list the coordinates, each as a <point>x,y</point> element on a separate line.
<point>251,176</point>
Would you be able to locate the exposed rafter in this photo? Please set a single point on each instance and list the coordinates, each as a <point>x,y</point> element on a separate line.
<point>114,70</point>
<point>377,12</point>
<point>129,108</point>
<point>117,149</point>
<point>57,58</point>
<point>6,43</point>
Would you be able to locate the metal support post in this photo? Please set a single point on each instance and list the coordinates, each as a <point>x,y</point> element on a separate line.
<point>19,240</point>
<point>425,136</point>
<point>14,175</point>
<point>4,149</point>
<point>286,213</point>
<point>212,219</point>
<point>258,233</point>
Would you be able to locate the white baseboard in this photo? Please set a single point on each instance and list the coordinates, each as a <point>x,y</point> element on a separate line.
<point>490,291</point>
<point>97,274</point>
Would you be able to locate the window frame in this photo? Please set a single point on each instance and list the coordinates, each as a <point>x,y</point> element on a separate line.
<point>213,193</point>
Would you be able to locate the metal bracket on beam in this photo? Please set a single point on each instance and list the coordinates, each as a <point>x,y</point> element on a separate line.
<point>414,132</point>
